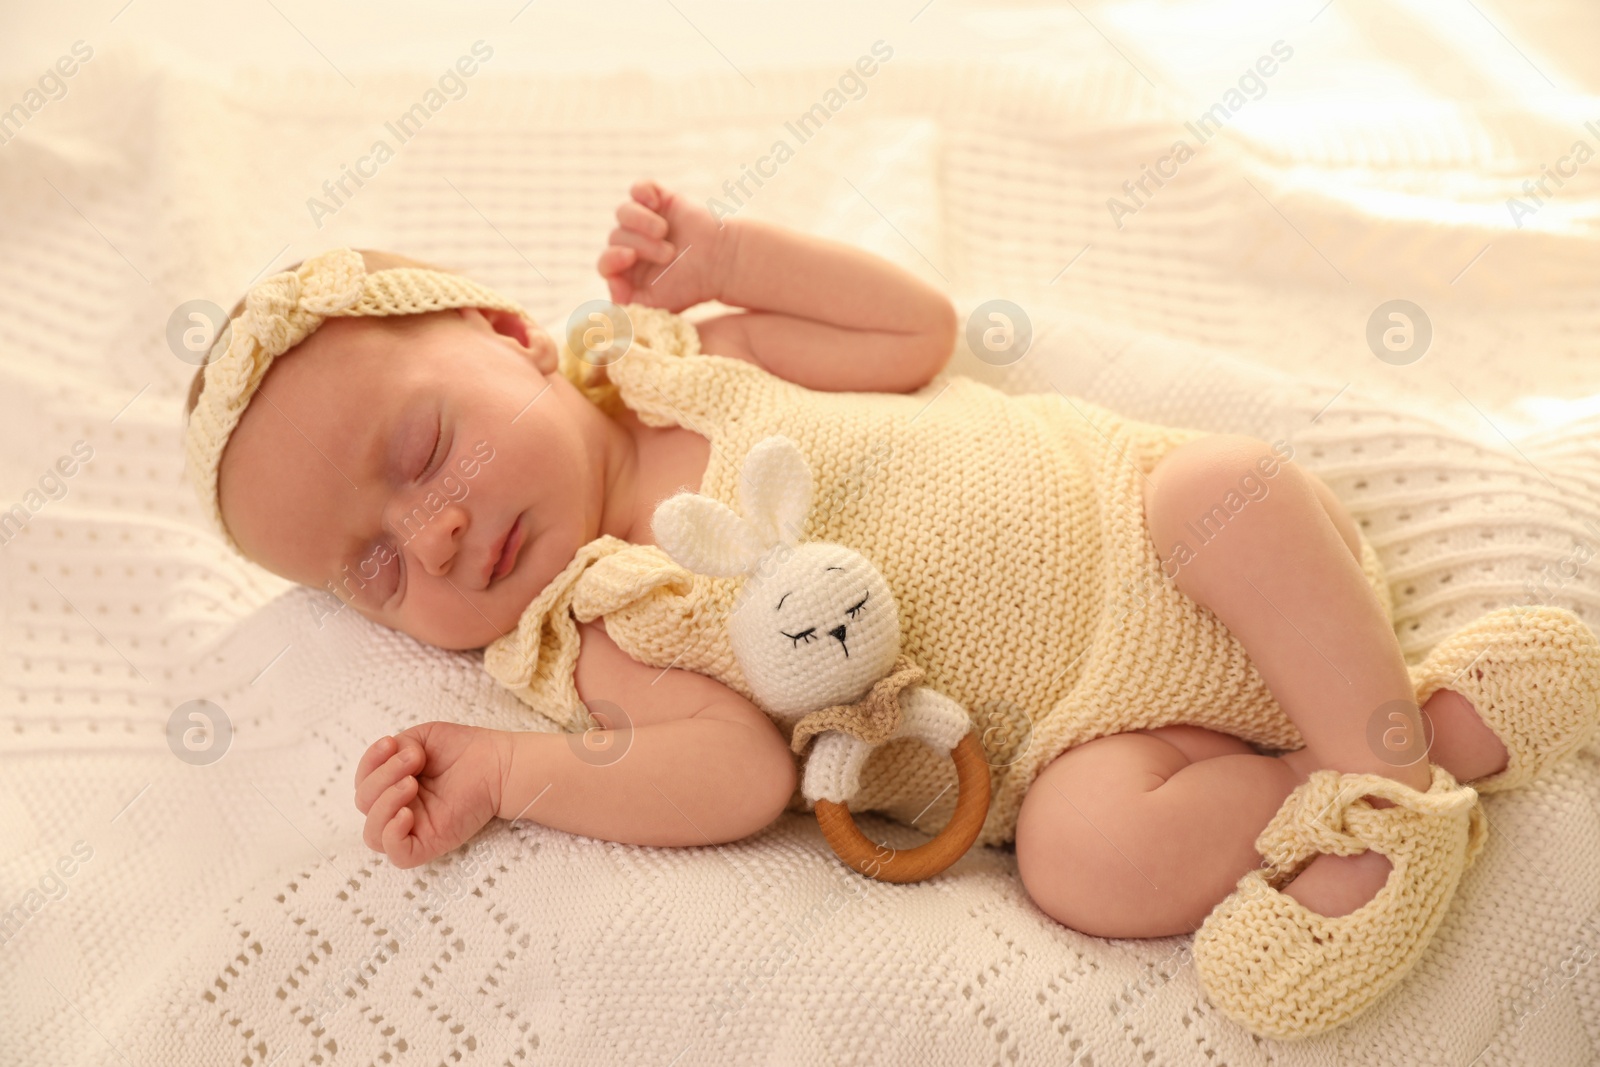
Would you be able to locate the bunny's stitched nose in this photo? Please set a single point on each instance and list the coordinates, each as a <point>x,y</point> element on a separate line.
<point>838,634</point>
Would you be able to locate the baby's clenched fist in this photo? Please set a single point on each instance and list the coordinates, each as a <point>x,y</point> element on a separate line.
<point>428,789</point>
<point>666,252</point>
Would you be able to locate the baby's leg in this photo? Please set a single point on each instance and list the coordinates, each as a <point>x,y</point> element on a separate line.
<point>1141,834</point>
<point>1282,578</point>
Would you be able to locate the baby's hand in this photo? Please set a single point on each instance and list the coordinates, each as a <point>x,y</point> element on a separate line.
<point>666,251</point>
<point>428,789</point>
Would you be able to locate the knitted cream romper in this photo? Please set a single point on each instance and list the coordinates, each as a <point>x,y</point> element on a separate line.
<point>1010,528</point>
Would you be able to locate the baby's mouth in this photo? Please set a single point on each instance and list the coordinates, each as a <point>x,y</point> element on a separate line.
<point>508,552</point>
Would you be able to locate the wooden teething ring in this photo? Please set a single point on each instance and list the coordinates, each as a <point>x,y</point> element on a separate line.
<point>926,860</point>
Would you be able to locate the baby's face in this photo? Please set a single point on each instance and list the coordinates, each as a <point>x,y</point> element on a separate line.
<point>387,461</point>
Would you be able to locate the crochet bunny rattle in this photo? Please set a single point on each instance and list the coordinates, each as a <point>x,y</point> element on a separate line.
<point>816,632</point>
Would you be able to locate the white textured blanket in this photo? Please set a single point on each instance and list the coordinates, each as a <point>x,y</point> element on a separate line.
<point>164,911</point>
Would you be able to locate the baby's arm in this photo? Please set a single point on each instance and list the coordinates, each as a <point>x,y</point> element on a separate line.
<point>695,764</point>
<point>820,313</point>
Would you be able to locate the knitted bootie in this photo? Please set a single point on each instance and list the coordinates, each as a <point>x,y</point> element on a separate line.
<point>1281,970</point>
<point>1532,673</point>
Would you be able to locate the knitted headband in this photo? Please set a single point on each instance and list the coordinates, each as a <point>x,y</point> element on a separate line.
<point>284,309</point>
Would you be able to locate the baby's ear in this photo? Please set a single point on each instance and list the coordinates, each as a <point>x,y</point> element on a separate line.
<point>529,339</point>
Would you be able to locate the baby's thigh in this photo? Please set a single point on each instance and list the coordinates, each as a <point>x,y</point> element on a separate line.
<point>1200,457</point>
<point>1102,849</point>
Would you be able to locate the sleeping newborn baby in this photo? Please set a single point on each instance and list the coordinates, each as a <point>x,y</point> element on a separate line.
<point>1176,646</point>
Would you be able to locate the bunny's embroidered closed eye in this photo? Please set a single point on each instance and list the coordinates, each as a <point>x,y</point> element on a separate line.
<point>809,632</point>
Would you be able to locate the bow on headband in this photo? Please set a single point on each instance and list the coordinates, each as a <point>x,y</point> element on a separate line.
<point>286,308</point>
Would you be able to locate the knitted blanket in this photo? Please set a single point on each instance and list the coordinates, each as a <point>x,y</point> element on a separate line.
<point>170,907</point>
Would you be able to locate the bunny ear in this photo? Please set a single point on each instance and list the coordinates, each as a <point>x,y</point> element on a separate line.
<point>775,489</point>
<point>705,536</point>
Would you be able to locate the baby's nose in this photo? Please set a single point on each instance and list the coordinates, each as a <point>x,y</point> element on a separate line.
<point>435,541</point>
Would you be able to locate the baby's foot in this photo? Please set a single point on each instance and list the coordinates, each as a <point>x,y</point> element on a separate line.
<point>1524,677</point>
<point>1461,743</point>
<point>1334,885</point>
<point>1337,885</point>
<point>1531,676</point>
<point>1287,970</point>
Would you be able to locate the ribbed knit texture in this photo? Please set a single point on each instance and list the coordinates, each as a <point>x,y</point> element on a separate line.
<point>1009,528</point>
